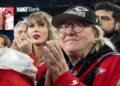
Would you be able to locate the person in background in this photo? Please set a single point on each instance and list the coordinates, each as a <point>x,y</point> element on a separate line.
<point>4,41</point>
<point>89,59</point>
<point>109,17</point>
<point>19,33</point>
<point>9,20</point>
<point>2,22</point>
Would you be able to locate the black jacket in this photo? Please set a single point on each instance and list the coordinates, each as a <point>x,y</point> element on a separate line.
<point>116,40</point>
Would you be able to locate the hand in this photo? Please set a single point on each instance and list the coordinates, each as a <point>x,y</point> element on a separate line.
<point>14,45</point>
<point>24,44</point>
<point>54,59</point>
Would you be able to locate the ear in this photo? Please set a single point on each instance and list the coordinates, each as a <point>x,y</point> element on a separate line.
<point>117,26</point>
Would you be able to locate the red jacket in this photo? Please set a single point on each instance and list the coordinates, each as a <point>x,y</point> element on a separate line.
<point>108,74</point>
<point>13,78</point>
<point>10,77</point>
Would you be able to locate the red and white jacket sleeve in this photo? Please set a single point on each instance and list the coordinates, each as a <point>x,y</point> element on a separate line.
<point>68,79</point>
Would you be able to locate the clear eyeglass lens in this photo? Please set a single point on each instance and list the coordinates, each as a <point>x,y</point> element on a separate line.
<point>77,26</point>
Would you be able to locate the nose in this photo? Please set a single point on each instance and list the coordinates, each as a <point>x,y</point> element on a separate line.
<point>70,30</point>
<point>36,28</point>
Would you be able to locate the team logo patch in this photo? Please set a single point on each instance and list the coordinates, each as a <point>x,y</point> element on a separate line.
<point>100,71</point>
<point>82,9</point>
<point>79,11</point>
<point>74,83</point>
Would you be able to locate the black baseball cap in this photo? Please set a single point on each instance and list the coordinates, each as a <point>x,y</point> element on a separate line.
<point>80,12</point>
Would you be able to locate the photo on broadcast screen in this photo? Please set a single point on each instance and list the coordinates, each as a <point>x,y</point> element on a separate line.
<point>6,18</point>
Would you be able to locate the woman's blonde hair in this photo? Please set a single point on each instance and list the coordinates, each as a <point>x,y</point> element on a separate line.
<point>99,41</point>
<point>43,17</point>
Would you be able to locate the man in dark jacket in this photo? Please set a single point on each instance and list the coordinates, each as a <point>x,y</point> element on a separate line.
<point>109,17</point>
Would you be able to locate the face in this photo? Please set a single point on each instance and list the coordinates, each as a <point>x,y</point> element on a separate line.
<point>8,15</point>
<point>38,32</point>
<point>107,22</point>
<point>1,42</point>
<point>76,37</point>
<point>20,31</point>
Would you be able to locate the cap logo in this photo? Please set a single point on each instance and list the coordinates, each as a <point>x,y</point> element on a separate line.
<point>79,11</point>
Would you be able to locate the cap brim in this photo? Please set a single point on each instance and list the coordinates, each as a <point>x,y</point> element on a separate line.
<point>57,20</point>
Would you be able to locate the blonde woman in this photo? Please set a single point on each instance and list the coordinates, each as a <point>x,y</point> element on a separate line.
<point>39,31</point>
<point>32,33</point>
<point>31,40</point>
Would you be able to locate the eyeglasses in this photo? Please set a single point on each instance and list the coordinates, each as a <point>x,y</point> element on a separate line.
<point>77,26</point>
